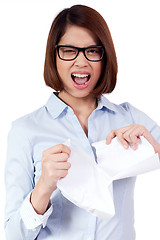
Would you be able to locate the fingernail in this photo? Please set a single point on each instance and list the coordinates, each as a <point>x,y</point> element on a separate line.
<point>134,147</point>
<point>107,141</point>
<point>125,146</point>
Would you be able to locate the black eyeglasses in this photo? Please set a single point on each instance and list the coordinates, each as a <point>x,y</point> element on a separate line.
<point>69,53</point>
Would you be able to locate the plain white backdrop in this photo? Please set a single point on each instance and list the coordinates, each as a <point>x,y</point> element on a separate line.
<point>134,25</point>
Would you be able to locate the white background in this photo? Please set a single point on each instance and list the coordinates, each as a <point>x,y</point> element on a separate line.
<point>134,25</point>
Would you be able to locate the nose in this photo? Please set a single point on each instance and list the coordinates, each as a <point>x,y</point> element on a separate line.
<point>81,60</point>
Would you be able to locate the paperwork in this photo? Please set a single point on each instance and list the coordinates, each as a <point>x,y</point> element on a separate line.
<point>89,184</point>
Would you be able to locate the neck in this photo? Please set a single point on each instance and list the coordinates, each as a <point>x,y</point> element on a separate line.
<point>80,105</point>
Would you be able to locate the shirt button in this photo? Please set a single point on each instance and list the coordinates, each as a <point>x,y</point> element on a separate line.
<point>89,238</point>
<point>34,229</point>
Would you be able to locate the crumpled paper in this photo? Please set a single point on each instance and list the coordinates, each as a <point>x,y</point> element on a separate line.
<point>89,183</point>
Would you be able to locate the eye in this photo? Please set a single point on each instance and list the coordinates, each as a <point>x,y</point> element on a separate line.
<point>68,50</point>
<point>93,51</point>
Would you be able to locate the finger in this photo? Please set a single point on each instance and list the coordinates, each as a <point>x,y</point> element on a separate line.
<point>110,136</point>
<point>59,148</point>
<point>130,136</point>
<point>57,157</point>
<point>133,137</point>
<point>62,166</point>
<point>61,174</point>
<point>134,146</point>
<point>122,140</point>
<point>115,132</point>
<point>132,140</point>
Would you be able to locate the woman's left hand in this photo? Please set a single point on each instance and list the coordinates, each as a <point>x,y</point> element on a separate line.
<point>131,134</point>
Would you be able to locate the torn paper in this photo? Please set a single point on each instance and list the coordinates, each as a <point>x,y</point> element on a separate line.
<point>89,184</point>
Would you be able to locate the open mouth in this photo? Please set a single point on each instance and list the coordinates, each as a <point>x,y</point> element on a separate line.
<point>80,79</point>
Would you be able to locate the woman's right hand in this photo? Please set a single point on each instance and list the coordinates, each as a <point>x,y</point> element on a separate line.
<point>55,166</point>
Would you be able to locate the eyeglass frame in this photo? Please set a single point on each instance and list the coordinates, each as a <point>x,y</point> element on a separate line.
<point>80,50</point>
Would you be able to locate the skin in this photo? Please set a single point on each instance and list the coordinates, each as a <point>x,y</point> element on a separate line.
<point>80,101</point>
<point>55,159</point>
<point>83,38</point>
<point>131,134</point>
<point>55,163</point>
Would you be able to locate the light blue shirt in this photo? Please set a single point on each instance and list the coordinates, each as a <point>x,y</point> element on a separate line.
<point>52,124</point>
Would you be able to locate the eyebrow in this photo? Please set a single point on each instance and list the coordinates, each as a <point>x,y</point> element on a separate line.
<point>68,45</point>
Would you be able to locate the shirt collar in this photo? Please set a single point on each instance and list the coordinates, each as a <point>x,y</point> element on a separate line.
<point>56,106</point>
<point>104,103</point>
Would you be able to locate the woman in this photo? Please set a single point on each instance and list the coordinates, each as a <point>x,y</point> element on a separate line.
<point>81,66</point>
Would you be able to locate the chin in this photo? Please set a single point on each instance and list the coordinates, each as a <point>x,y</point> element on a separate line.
<point>80,94</point>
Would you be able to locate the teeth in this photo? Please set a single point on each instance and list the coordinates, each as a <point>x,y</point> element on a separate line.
<point>80,75</point>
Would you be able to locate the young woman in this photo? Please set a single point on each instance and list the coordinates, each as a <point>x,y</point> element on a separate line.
<point>80,66</point>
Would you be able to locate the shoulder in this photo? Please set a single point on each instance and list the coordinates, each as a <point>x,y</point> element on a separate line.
<point>29,118</point>
<point>136,116</point>
<point>122,108</point>
<point>127,110</point>
<point>26,125</point>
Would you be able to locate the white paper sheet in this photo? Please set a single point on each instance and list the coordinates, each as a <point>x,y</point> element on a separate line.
<point>89,184</point>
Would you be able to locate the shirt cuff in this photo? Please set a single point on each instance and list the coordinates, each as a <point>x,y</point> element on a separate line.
<point>30,218</point>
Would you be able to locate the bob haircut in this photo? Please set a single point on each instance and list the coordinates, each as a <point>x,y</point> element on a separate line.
<point>86,17</point>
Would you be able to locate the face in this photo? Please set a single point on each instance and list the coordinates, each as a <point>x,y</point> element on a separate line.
<point>79,76</point>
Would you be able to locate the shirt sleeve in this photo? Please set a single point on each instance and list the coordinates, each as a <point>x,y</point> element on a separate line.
<point>141,118</point>
<point>19,182</point>
<point>31,219</point>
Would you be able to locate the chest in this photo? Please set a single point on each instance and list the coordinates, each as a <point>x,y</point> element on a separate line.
<point>58,131</point>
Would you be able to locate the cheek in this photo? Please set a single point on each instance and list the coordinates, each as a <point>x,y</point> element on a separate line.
<point>98,70</point>
<point>62,68</point>
<point>59,66</point>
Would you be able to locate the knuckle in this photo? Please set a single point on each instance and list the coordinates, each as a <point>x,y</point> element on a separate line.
<point>112,132</point>
<point>61,146</point>
<point>124,134</point>
<point>57,174</point>
<point>144,128</point>
<point>68,165</point>
<point>63,157</point>
<point>120,134</point>
<point>65,172</point>
<point>131,135</point>
<point>60,174</point>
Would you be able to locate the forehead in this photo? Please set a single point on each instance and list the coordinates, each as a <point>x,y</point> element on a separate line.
<point>79,36</point>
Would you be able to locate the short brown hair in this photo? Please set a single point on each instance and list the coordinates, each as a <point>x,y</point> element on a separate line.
<point>90,19</point>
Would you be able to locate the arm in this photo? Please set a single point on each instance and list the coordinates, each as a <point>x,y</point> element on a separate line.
<point>25,210</point>
<point>19,181</point>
